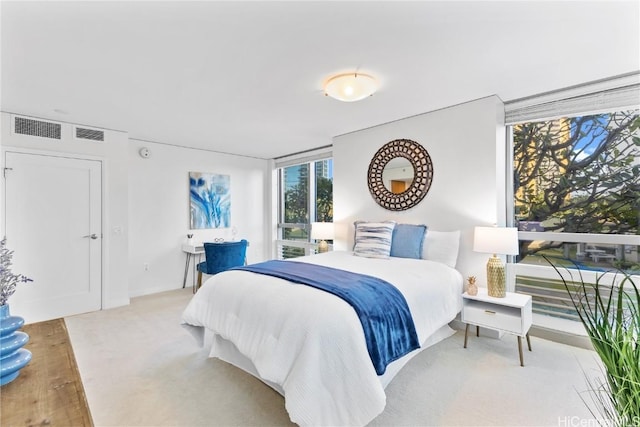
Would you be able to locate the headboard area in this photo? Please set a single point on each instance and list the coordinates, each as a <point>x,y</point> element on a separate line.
<point>465,144</point>
<point>385,239</point>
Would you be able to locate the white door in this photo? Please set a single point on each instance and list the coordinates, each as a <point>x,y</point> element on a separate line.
<point>53,224</point>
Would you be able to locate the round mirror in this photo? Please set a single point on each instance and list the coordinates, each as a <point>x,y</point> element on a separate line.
<point>397,175</point>
<point>406,162</point>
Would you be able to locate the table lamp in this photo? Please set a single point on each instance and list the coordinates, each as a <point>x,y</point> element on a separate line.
<point>496,240</point>
<point>322,231</point>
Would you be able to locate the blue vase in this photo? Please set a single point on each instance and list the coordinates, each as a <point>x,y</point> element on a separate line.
<point>12,356</point>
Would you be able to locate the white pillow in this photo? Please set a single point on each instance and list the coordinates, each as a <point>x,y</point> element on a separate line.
<point>373,239</point>
<point>441,246</point>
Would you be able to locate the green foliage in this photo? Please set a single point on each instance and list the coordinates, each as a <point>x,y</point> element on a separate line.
<point>579,175</point>
<point>296,208</point>
<point>324,199</point>
<point>611,317</point>
<point>627,265</point>
<point>296,199</point>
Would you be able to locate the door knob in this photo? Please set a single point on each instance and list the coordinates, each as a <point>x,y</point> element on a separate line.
<point>91,236</point>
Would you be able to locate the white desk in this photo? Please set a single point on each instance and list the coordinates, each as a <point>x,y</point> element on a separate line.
<point>191,249</point>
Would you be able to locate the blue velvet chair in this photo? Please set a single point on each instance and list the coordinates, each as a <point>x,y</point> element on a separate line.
<point>222,256</point>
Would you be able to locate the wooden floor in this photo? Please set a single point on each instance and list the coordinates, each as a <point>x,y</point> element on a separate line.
<point>48,391</point>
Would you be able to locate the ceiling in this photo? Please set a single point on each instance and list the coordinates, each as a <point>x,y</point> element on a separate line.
<point>246,77</point>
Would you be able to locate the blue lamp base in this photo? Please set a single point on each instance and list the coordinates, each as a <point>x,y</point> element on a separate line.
<point>12,356</point>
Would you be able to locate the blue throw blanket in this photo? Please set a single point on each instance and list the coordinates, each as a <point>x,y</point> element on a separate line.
<point>383,311</point>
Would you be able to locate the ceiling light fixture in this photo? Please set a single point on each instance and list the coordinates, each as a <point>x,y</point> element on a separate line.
<point>350,87</point>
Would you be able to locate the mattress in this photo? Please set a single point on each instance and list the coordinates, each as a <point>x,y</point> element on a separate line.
<point>308,344</point>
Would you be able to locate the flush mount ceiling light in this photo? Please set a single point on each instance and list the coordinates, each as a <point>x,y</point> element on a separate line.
<point>350,87</point>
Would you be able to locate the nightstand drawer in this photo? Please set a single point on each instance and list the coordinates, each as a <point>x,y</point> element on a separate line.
<point>511,314</point>
<point>494,316</point>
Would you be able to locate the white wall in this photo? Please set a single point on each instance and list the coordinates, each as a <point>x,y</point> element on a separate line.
<point>466,143</point>
<point>113,154</point>
<point>159,210</point>
<point>148,199</point>
<point>147,202</point>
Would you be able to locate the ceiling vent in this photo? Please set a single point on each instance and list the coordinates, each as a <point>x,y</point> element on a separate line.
<point>33,127</point>
<point>88,134</point>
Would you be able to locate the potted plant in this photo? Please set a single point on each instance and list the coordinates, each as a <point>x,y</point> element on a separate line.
<point>611,317</point>
<point>13,356</point>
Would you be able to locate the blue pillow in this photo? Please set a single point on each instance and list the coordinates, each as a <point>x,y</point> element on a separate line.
<point>407,241</point>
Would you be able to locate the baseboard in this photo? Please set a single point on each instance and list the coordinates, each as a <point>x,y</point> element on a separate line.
<point>155,290</point>
<point>113,303</point>
<point>561,337</point>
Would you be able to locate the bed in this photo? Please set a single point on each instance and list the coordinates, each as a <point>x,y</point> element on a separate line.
<point>308,344</point>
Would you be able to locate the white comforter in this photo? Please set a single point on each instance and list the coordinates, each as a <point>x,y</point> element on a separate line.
<point>311,342</point>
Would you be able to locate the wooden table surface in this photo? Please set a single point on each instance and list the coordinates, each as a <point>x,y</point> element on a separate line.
<point>48,391</point>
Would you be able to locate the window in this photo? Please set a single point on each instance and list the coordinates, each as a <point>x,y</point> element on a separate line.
<point>576,200</point>
<point>306,196</point>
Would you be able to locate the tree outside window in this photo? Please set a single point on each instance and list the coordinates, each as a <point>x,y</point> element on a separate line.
<point>296,201</point>
<point>306,196</point>
<point>324,191</point>
<point>578,175</point>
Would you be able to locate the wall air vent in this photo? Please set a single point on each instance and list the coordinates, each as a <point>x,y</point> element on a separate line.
<point>96,135</point>
<point>33,127</point>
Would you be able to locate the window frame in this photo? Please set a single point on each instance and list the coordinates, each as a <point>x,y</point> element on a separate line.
<point>280,242</point>
<point>606,96</point>
<point>613,239</point>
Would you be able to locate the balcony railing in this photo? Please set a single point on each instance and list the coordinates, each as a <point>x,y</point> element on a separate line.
<point>294,248</point>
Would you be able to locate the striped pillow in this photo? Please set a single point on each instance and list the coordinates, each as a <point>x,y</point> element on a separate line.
<point>373,239</point>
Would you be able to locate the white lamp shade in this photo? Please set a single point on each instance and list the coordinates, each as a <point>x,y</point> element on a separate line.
<point>496,240</point>
<point>322,230</point>
<point>350,87</point>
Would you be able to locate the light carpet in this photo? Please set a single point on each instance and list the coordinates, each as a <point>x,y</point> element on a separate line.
<point>141,368</point>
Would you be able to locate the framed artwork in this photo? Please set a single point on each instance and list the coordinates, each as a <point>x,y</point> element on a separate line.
<point>210,200</point>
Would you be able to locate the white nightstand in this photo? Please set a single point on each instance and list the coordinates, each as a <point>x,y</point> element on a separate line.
<point>511,314</point>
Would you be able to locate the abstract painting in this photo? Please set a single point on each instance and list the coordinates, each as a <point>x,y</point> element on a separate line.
<point>210,200</point>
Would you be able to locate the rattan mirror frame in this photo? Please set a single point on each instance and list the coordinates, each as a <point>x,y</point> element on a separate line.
<point>422,168</point>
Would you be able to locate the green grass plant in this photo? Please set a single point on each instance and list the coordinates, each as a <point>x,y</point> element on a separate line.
<point>611,317</point>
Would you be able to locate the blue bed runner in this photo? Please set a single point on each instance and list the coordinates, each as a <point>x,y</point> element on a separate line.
<point>385,316</point>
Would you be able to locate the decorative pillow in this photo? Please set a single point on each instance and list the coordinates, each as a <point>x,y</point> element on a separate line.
<point>442,246</point>
<point>407,241</point>
<point>373,239</point>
